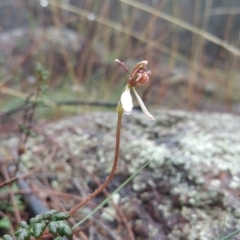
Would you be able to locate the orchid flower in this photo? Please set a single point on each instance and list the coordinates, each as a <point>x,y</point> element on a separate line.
<point>138,75</point>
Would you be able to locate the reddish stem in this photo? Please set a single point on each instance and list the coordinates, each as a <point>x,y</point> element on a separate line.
<point>113,170</point>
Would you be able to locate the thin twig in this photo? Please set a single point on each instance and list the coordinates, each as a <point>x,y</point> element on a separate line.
<point>29,173</point>
<point>16,210</point>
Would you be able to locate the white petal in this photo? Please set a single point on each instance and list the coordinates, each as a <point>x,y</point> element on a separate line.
<point>145,62</point>
<point>143,107</point>
<point>126,101</point>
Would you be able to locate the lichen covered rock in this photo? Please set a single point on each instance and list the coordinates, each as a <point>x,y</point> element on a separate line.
<point>189,190</point>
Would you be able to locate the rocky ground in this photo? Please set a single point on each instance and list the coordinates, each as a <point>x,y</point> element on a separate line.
<point>189,190</point>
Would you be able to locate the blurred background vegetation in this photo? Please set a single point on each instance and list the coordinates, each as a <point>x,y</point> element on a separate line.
<point>192,48</point>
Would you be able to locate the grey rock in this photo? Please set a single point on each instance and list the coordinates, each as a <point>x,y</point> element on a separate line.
<point>189,189</point>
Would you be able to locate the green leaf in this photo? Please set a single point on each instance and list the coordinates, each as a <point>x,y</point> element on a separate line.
<point>7,237</point>
<point>61,225</point>
<point>64,229</point>
<point>5,223</point>
<point>23,224</point>
<point>18,232</point>
<point>36,219</point>
<point>48,214</point>
<point>60,216</point>
<point>44,74</point>
<point>67,231</point>
<point>39,67</point>
<point>24,235</point>
<point>53,228</point>
<point>38,229</point>
<point>44,88</point>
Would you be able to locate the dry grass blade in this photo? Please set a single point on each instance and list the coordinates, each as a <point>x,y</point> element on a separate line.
<point>21,95</point>
<point>128,31</point>
<point>29,173</point>
<point>185,25</point>
<point>224,11</point>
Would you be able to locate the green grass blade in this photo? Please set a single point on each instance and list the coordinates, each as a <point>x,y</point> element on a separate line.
<point>109,197</point>
<point>231,235</point>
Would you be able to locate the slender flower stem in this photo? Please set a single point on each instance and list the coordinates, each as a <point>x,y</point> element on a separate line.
<point>113,170</point>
